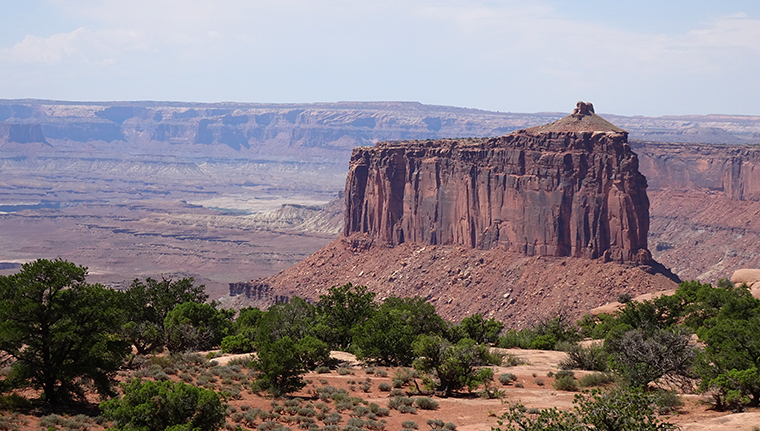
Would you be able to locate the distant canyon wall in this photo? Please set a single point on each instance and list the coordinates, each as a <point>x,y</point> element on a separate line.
<point>324,132</point>
<point>731,169</point>
<point>576,194</point>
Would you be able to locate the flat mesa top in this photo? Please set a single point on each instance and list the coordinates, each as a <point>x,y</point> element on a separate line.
<point>583,119</point>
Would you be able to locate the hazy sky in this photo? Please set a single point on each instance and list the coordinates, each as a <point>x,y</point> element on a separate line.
<point>642,57</point>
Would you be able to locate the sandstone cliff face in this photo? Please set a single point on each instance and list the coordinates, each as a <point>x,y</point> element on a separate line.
<point>732,169</point>
<point>571,188</point>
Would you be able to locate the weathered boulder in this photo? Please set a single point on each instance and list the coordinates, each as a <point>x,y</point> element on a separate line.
<point>569,188</point>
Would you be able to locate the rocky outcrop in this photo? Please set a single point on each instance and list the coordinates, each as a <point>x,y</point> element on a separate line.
<point>569,188</point>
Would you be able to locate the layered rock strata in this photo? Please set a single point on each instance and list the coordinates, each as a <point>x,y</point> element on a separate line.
<point>569,188</point>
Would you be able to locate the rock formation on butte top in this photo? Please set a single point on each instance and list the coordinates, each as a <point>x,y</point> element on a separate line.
<point>569,188</point>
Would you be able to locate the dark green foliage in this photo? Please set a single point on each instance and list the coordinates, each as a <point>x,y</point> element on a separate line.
<point>731,359</point>
<point>543,336</point>
<point>294,319</point>
<point>313,352</point>
<point>149,406</point>
<point>236,344</point>
<point>475,327</point>
<point>60,329</point>
<point>195,326</point>
<point>387,337</point>
<point>147,304</point>
<point>454,365</point>
<point>342,309</point>
<point>591,358</point>
<point>279,368</point>
<point>247,322</point>
<point>616,410</point>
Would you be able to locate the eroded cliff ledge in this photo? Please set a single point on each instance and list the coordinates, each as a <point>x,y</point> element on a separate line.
<point>569,188</point>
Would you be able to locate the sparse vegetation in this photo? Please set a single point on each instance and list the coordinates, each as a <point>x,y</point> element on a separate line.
<point>161,405</point>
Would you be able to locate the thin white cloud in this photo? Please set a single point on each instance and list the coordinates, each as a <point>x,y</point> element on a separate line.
<point>81,45</point>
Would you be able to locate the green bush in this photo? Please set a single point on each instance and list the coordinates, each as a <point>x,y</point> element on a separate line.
<point>386,337</point>
<point>604,411</point>
<point>409,425</point>
<point>591,358</point>
<point>150,406</point>
<point>475,327</point>
<point>596,379</point>
<point>507,378</point>
<point>237,344</point>
<point>565,383</point>
<point>194,326</point>
<point>384,386</point>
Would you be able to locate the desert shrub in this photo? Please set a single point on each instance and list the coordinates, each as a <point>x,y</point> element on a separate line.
<point>543,336</point>
<point>384,386</point>
<point>344,371</point>
<point>397,401</point>
<point>507,378</point>
<point>405,375</point>
<point>366,386</point>
<point>333,418</point>
<point>406,409</point>
<point>596,379</point>
<point>322,369</point>
<point>643,355</point>
<point>605,411</point>
<point>397,383</point>
<point>591,358</point>
<point>565,383</point>
<point>667,402</point>
<point>454,365</point>
<point>160,405</point>
<point>436,424</point>
<point>410,425</point>
<point>426,403</point>
<point>539,382</point>
<point>379,372</point>
<point>624,298</point>
<point>511,360</point>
